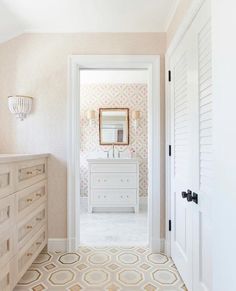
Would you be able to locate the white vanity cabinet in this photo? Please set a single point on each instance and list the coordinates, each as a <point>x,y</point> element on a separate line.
<point>23,214</point>
<point>113,183</point>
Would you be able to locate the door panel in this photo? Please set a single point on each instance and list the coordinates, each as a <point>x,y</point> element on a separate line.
<point>181,247</point>
<point>191,121</point>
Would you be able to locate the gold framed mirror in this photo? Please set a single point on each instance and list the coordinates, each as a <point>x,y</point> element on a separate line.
<point>114,126</point>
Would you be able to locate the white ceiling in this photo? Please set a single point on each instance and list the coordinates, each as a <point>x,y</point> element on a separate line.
<point>18,16</point>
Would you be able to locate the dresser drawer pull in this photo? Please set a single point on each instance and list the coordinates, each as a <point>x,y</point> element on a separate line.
<point>38,194</point>
<point>38,243</point>
<point>29,226</point>
<point>39,170</point>
<point>38,219</point>
<point>29,200</point>
<point>29,173</point>
<point>29,254</point>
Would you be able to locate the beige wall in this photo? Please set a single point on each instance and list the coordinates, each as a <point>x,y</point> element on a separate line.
<point>177,19</point>
<point>36,65</point>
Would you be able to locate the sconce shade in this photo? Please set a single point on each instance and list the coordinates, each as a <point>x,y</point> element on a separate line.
<point>136,115</point>
<point>20,105</point>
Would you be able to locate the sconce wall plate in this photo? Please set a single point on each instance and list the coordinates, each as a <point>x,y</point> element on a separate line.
<point>20,105</point>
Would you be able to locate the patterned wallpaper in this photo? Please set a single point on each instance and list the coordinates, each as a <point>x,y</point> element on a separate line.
<point>95,96</point>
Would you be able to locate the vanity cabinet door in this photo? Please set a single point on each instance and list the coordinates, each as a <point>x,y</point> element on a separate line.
<point>111,168</point>
<point>6,179</point>
<point>116,180</point>
<point>114,197</point>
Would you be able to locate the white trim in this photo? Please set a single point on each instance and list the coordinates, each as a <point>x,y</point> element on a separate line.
<point>192,12</point>
<point>150,63</point>
<point>57,245</point>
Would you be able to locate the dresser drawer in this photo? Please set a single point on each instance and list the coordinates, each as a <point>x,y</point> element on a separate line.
<point>113,180</point>
<point>30,198</point>
<point>7,246</point>
<point>30,251</point>
<point>30,172</point>
<point>7,276</point>
<point>114,197</point>
<point>6,179</point>
<point>7,212</point>
<point>30,224</point>
<point>110,168</point>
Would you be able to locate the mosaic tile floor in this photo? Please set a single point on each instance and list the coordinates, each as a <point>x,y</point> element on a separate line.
<point>102,269</point>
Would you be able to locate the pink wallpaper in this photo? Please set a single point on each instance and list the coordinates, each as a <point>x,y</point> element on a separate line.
<point>132,96</point>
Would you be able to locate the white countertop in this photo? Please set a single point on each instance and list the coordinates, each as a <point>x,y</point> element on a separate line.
<point>117,160</point>
<point>5,158</point>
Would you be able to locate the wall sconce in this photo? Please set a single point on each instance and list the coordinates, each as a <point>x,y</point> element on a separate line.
<point>91,116</point>
<point>20,105</point>
<point>136,116</point>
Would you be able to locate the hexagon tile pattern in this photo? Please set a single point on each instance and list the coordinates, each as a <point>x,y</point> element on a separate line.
<point>102,269</point>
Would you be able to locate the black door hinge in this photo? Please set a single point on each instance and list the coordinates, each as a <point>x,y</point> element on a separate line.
<point>169,225</point>
<point>169,76</point>
<point>169,150</point>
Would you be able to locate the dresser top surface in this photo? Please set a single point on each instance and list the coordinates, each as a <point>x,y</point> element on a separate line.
<point>6,158</point>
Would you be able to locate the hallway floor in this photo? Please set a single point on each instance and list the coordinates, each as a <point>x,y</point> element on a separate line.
<point>102,269</point>
<point>114,228</point>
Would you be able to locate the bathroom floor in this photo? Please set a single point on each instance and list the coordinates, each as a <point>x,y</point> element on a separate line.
<point>114,229</point>
<point>102,269</point>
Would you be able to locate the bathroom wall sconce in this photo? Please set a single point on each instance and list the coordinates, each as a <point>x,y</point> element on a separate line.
<point>20,105</point>
<point>136,116</point>
<point>91,116</point>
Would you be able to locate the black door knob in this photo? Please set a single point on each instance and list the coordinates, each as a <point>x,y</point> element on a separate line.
<point>184,194</point>
<point>192,197</point>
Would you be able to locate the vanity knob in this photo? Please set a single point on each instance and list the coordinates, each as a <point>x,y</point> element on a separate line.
<point>29,226</point>
<point>38,194</point>
<point>29,200</point>
<point>38,219</point>
<point>29,254</point>
<point>29,173</point>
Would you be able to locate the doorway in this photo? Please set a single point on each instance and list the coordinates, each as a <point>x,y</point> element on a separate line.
<point>152,65</point>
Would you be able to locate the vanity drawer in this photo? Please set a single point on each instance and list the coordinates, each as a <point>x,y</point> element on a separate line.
<point>30,172</point>
<point>7,276</point>
<point>7,212</point>
<point>110,168</point>
<point>110,180</point>
<point>6,179</point>
<point>30,251</point>
<point>30,198</point>
<point>7,247</point>
<point>28,226</point>
<point>114,197</point>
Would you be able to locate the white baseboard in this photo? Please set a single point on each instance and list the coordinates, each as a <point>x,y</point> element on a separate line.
<point>143,201</point>
<point>57,244</point>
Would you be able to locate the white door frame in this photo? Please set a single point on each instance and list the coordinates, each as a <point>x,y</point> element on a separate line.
<point>152,64</point>
<point>192,12</point>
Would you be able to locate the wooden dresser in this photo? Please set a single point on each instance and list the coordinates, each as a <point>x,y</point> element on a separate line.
<point>23,214</point>
<point>113,183</point>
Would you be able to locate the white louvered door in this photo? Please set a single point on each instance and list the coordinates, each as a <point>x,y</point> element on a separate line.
<point>191,98</point>
<point>202,163</point>
<point>181,246</point>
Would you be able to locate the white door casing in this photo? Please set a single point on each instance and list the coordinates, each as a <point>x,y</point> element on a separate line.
<point>192,144</point>
<point>151,63</point>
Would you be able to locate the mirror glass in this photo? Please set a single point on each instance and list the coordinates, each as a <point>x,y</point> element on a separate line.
<point>114,126</point>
